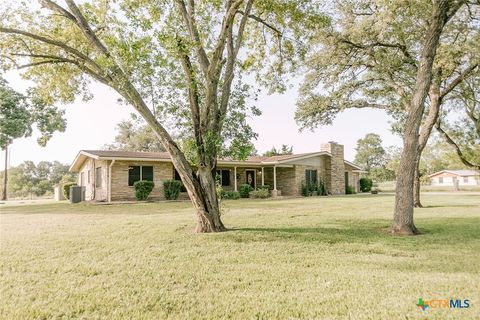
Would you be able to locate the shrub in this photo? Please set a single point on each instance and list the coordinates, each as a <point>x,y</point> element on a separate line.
<point>232,195</point>
<point>259,194</point>
<point>265,186</point>
<point>308,189</point>
<point>322,188</point>
<point>171,189</point>
<point>66,189</point>
<point>143,189</point>
<point>245,190</point>
<point>365,184</point>
<point>349,190</point>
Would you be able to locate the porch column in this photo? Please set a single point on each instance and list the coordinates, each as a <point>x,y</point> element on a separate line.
<point>263,179</point>
<point>235,177</point>
<point>275,178</point>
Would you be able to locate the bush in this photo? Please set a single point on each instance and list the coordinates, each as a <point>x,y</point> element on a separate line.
<point>171,189</point>
<point>143,189</point>
<point>259,194</point>
<point>245,190</point>
<point>232,195</point>
<point>365,184</point>
<point>308,189</point>
<point>265,186</point>
<point>349,190</point>
<point>322,188</point>
<point>66,189</point>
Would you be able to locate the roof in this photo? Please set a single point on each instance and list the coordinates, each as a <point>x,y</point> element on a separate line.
<point>461,173</point>
<point>165,157</point>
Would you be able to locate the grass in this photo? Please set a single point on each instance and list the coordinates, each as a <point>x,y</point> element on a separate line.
<point>313,258</point>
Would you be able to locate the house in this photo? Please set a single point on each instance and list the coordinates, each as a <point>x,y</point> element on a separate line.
<point>450,177</point>
<point>110,175</point>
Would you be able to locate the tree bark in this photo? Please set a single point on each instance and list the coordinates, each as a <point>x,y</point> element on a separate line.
<point>426,130</point>
<point>403,213</point>
<point>5,175</point>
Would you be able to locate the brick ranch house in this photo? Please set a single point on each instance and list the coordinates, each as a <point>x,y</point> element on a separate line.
<point>110,175</point>
<point>450,177</point>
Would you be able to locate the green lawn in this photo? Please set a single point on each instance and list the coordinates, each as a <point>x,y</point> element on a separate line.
<point>315,258</point>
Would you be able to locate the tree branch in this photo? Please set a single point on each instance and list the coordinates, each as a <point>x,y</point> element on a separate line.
<point>56,43</point>
<point>458,80</point>
<point>55,7</point>
<point>459,152</point>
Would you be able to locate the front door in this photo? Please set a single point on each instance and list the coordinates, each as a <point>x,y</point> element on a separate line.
<point>250,177</point>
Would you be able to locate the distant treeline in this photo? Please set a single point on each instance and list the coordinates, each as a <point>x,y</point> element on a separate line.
<point>29,180</point>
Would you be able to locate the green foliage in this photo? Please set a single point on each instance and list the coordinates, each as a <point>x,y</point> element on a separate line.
<point>143,188</point>
<point>370,153</point>
<point>19,112</point>
<point>365,184</point>
<point>283,150</point>
<point>135,135</point>
<point>322,188</point>
<point>265,186</point>
<point>231,195</point>
<point>171,189</point>
<point>29,179</point>
<point>259,194</point>
<point>308,189</point>
<point>349,190</point>
<point>245,190</point>
<point>66,189</point>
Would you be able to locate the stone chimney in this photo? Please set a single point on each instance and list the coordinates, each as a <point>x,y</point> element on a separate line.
<point>334,167</point>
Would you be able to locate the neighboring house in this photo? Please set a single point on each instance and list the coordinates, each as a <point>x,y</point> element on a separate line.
<point>110,175</point>
<point>449,177</point>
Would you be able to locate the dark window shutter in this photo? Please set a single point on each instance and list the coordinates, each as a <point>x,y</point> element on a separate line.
<point>133,175</point>
<point>147,173</point>
<point>225,178</point>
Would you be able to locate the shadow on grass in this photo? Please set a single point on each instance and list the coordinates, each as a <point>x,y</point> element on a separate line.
<point>433,233</point>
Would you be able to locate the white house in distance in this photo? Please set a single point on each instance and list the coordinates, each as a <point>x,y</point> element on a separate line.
<point>449,177</point>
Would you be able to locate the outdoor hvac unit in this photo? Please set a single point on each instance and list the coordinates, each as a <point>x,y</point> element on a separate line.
<point>77,194</point>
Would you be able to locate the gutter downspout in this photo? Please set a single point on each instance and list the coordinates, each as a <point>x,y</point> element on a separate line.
<point>110,180</point>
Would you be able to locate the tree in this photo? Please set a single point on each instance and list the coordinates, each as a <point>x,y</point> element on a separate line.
<point>17,115</point>
<point>135,136</point>
<point>378,55</point>
<point>463,135</point>
<point>174,62</point>
<point>28,179</point>
<point>370,153</point>
<point>283,150</point>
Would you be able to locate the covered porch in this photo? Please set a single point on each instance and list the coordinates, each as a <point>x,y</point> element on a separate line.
<point>277,177</point>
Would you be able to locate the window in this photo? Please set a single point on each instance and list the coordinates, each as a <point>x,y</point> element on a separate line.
<point>224,176</point>
<point>137,173</point>
<point>88,176</point>
<point>465,179</point>
<point>176,176</point>
<point>440,179</point>
<point>311,177</point>
<point>98,177</point>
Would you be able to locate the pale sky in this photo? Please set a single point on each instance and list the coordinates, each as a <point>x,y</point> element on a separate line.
<point>90,125</point>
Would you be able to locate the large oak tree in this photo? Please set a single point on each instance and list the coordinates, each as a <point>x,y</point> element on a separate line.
<point>380,54</point>
<point>178,63</point>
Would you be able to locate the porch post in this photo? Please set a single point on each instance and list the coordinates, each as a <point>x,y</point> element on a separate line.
<point>275,178</point>
<point>263,177</point>
<point>235,177</point>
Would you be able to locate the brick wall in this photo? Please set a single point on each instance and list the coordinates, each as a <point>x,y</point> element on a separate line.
<point>122,191</point>
<point>335,170</point>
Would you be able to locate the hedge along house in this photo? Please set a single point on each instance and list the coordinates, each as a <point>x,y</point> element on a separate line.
<point>110,175</point>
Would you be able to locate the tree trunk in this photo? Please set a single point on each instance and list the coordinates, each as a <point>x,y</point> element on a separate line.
<point>426,130</point>
<point>416,184</point>
<point>403,213</point>
<point>5,175</point>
